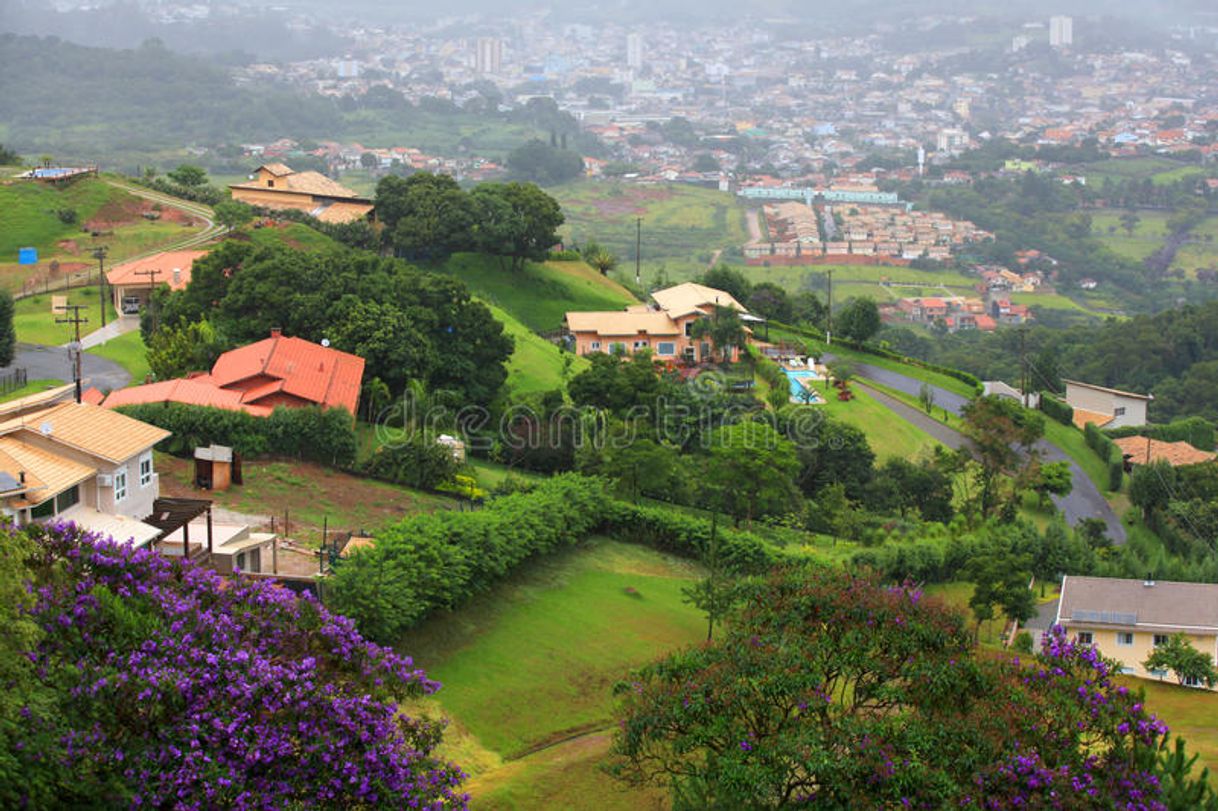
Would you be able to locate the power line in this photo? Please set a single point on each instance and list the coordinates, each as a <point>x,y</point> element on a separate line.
<point>74,349</point>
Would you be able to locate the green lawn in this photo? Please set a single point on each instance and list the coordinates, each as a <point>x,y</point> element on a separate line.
<point>1072,443</point>
<point>540,295</point>
<point>36,324</point>
<point>536,364</point>
<point>1147,236</point>
<point>957,594</point>
<point>129,352</point>
<point>293,235</point>
<point>1053,301</point>
<point>1160,170</point>
<point>1190,713</point>
<point>29,213</point>
<point>889,435</point>
<point>535,659</point>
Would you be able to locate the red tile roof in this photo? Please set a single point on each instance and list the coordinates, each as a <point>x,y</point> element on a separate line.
<point>162,264</point>
<point>192,391</point>
<point>306,370</point>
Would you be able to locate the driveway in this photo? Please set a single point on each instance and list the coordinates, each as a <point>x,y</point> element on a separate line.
<point>1084,501</point>
<point>51,363</point>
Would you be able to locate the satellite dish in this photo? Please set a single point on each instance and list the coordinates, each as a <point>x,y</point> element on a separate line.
<point>45,428</point>
<point>325,342</point>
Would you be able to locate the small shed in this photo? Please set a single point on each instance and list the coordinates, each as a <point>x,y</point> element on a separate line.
<point>217,467</point>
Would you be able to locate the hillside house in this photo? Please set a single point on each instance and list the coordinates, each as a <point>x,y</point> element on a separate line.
<point>276,186</point>
<point>1107,408</point>
<point>1126,619</point>
<point>665,326</point>
<point>276,371</point>
<point>131,283</point>
<point>75,461</point>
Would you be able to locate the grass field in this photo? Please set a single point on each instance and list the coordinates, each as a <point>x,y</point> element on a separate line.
<point>32,387</point>
<point>534,660</point>
<point>682,228</point>
<point>129,352</point>
<point>1147,236</point>
<point>29,218</point>
<point>541,294</point>
<point>36,324</point>
<point>293,235</point>
<point>536,364</point>
<point>889,436</point>
<point>1190,713</point>
<point>1161,171</point>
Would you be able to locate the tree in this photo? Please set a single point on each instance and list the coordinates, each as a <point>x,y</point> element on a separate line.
<point>752,469</point>
<point>233,214</point>
<point>1052,479</point>
<point>515,221</point>
<point>1151,488</point>
<point>8,331</point>
<point>859,320</point>
<point>926,396</point>
<point>830,690</point>
<point>8,157</point>
<point>725,330</point>
<point>1000,579</point>
<point>1002,435</point>
<point>602,260</point>
<point>369,160</point>
<point>716,594</point>
<point>188,175</point>
<point>829,451</point>
<point>426,216</point>
<point>536,161</point>
<point>732,282</point>
<point>705,162</point>
<point>185,347</point>
<point>642,466</point>
<point>770,301</point>
<point>1178,655</point>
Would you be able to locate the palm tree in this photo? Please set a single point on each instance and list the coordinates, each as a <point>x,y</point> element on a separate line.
<point>724,328</point>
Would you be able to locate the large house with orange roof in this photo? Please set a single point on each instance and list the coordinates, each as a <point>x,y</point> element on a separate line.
<point>665,326</point>
<point>277,186</point>
<point>257,378</point>
<point>133,282</point>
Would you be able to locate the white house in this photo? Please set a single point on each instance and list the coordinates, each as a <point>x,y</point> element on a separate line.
<point>1107,408</point>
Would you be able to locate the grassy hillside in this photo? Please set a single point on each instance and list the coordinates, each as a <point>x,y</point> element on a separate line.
<point>534,660</point>
<point>29,212</point>
<point>541,294</point>
<point>536,364</point>
<point>683,226</point>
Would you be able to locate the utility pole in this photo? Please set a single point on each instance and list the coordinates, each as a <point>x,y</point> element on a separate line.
<point>1023,367</point>
<point>99,253</point>
<point>151,273</point>
<point>74,350</point>
<point>638,251</point>
<point>829,329</point>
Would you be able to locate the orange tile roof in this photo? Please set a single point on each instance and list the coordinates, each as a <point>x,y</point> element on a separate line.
<point>45,473</point>
<point>90,429</point>
<point>189,391</point>
<point>1082,417</point>
<point>342,212</point>
<point>135,272</point>
<point>307,370</point>
<point>314,183</point>
<point>1174,453</point>
<point>622,324</point>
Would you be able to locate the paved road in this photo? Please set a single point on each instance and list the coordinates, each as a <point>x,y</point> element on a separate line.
<point>1084,501</point>
<point>119,326</point>
<point>51,363</point>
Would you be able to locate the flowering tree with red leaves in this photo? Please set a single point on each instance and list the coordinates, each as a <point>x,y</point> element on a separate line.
<point>831,690</point>
<point>162,684</point>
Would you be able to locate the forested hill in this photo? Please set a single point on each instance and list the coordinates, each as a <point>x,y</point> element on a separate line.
<point>67,99</point>
<point>1172,355</point>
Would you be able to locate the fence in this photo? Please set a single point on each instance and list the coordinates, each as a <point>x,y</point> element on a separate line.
<point>12,380</point>
<point>52,281</point>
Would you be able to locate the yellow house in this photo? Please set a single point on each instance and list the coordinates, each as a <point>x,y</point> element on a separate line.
<point>276,186</point>
<point>1126,619</point>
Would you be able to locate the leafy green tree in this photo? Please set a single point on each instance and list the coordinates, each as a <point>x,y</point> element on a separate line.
<point>536,161</point>
<point>426,216</point>
<point>8,331</point>
<point>369,160</point>
<point>920,487</point>
<point>8,157</point>
<point>602,260</point>
<point>752,468</point>
<point>188,175</point>
<point>233,214</point>
<point>722,277</point>
<point>1151,488</point>
<point>415,460</point>
<point>1003,436</point>
<point>1052,479</point>
<point>617,384</point>
<point>642,466</point>
<point>716,594</point>
<point>516,222</point>
<point>1190,665</point>
<point>859,320</point>
<point>926,396</point>
<point>1000,579</point>
<point>185,347</point>
<point>828,451</point>
<point>770,301</point>
<point>724,329</point>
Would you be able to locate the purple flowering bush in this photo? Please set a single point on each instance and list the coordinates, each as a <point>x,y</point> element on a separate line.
<point>831,690</point>
<point>160,684</point>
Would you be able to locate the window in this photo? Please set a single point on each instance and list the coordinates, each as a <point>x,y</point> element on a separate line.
<point>120,486</point>
<point>44,510</point>
<point>1160,640</point>
<point>270,184</point>
<point>240,564</point>
<point>1085,638</point>
<point>1119,411</point>
<point>666,348</point>
<point>1129,671</point>
<point>67,498</point>
<point>146,470</point>
<point>641,344</point>
<point>689,328</point>
<point>1124,639</point>
<point>595,346</point>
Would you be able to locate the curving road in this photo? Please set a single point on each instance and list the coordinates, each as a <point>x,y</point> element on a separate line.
<point>198,210</point>
<point>51,363</point>
<point>1084,501</point>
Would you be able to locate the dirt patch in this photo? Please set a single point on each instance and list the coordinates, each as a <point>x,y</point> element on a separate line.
<point>131,211</point>
<point>632,202</point>
<point>68,246</point>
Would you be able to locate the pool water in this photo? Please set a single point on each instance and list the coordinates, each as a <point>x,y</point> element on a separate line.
<point>794,376</point>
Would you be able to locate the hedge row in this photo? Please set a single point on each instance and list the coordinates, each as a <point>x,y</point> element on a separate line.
<point>1056,409</point>
<point>1196,431</point>
<point>300,433</point>
<point>430,562</point>
<point>1108,452</point>
<point>207,194</point>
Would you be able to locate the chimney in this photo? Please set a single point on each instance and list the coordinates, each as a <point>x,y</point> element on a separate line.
<point>276,332</point>
<point>21,476</point>
<point>177,276</point>
<point>1149,582</point>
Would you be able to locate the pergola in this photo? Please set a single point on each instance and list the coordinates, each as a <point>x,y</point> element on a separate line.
<point>171,514</point>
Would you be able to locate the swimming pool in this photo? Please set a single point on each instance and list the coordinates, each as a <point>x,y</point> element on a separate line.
<point>798,393</point>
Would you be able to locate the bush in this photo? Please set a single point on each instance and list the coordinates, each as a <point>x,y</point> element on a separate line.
<point>418,461</point>
<point>1196,431</point>
<point>667,530</point>
<point>1108,452</point>
<point>566,255</point>
<point>206,194</point>
<point>1056,409</point>
<point>313,434</point>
